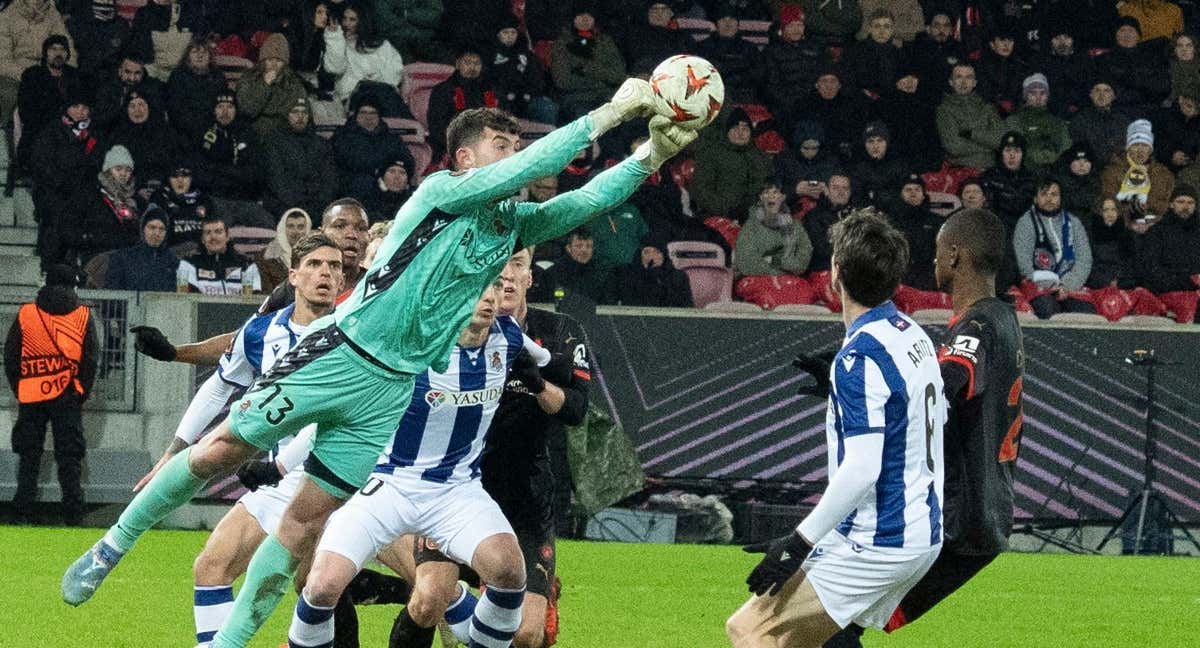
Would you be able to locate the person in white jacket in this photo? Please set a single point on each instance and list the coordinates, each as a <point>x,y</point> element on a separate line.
<point>355,52</point>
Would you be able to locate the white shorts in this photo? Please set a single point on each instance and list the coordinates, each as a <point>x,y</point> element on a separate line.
<point>268,502</point>
<point>862,584</point>
<point>457,517</point>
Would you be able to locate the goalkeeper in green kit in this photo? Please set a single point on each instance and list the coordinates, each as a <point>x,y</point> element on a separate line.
<point>353,374</point>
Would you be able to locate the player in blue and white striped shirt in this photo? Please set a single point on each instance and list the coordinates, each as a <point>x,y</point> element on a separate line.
<point>878,526</point>
<point>427,483</point>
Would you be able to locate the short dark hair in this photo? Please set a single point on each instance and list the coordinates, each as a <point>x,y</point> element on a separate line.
<point>582,233</point>
<point>871,254</point>
<point>211,218</point>
<point>980,231</point>
<point>308,244</point>
<point>343,202</point>
<point>467,127</point>
<point>1045,183</point>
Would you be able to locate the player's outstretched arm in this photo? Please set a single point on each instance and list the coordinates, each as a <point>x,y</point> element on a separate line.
<point>151,341</point>
<point>546,157</point>
<point>540,222</point>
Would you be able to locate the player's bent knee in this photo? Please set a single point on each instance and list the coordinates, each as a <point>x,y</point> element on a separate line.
<point>329,575</point>
<point>426,609</point>
<point>211,568</point>
<point>739,631</point>
<point>219,453</point>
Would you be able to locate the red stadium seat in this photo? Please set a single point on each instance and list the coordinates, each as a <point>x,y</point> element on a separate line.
<point>233,67</point>
<point>757,112</point>
<point>710,285</point>
<point>695,254</point>
<point>698,28</point>
<point>755,31</point>
<point>127,8</point>
<point>250,241</point>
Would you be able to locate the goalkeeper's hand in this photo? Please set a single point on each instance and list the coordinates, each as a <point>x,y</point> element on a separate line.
<point>153,343</point>
<point>783,559</point>
<point>633,99</point>
<point>817,366</point>
<point>525,368</point>
<point>666,139</point>
<point>255,474</point>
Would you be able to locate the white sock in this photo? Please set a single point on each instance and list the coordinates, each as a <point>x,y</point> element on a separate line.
<point>497,616</point>
<point>312,626</point>
<point>459,614</point>
<point>211,605</point>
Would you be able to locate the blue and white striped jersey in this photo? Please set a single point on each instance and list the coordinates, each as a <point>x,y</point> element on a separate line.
<point>886,380</point>
<point>256,347</point>
<point>440,437</point>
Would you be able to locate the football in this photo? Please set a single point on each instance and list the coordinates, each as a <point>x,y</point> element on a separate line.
<point>688,90</point>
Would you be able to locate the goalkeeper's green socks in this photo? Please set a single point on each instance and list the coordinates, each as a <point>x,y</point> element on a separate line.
<point>267,579</point>
<point>172,487</point>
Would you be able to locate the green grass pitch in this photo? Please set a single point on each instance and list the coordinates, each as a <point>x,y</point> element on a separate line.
<point>625,596</point>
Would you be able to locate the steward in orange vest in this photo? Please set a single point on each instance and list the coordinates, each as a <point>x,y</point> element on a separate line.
<point>50,359</point>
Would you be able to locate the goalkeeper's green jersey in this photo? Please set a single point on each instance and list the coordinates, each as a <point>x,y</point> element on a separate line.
<point>452,238</point>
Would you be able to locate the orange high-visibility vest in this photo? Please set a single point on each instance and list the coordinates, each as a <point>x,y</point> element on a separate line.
<point>51,348</point>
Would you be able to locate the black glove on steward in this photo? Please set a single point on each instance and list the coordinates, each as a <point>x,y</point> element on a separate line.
<point>525,368</point>
<point>153,343</point>
<point>259,473</point>
<point>817,366</point>
<point>783,558</point>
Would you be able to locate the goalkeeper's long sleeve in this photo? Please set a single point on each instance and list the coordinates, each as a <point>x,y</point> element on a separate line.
<point>539,222</point>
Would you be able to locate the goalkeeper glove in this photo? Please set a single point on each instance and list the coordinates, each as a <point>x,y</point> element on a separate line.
<point>153,343</point>
<point>783,559</point>
<point>254,474</point>
<point>525,368</point>
<point>633,99</point>
<point>666,139</point>
<point>817,366</point>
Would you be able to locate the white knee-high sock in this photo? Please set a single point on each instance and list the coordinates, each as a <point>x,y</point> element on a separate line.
<point>497,616</point>
<point>458,615</point>
<point>210,606</point>
<point>312,626</point>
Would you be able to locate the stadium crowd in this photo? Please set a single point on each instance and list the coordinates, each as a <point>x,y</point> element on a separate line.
<point>188,144</point>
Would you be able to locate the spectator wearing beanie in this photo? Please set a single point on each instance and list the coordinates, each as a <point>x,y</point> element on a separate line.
<point>1139,73</point>
<point>466,88</point>
<point>25,25</point>
<point>1002,68</point>
<point>1078,175</point>
<point>355,52</point>
<point>518,75</point>
<point>193,85</point>
<point>1178,129</point>
<point>299,166</point>
<point>229,154</point>
<point>1170,258</point>
<point>585,63</point>
<point>968,126</point>
<point>1101,125</point>
<point>1156,18</point>
<point>804,167</point>
<point>832,23</point>
<point>266,92</point>
<point>842,111</point>
<point>393,186</point>
<point>410,25</point>
<point>105,214</point>
<point>1009,189</point>
<point>652,36</point>
<point>65,157</point>
<point>793,64</point>
<point>739,61</point>
<point>42,93</point>
<point>156,148</point>
<point>294,225</point>
<point>1046,135</point>
<point>909,211</point>
<point>185,206</point>
<point>1114,251</point>
<point>1068,72</point>
<point>878,173</point>
<point>150,264</point>
<point>729,169</point>
<point>771,242</point>
<point>1185,67</point>
<point>362,146</point>
<point>650,279</point>
<point>1140,184</point>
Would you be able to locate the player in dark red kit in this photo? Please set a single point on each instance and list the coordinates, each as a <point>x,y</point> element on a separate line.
<point>982,362</point>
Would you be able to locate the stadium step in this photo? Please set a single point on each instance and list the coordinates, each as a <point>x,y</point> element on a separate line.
<point>17,210</point>
<point>20,270</point>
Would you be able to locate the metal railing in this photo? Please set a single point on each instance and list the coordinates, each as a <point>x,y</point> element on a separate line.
<point>115,389</point>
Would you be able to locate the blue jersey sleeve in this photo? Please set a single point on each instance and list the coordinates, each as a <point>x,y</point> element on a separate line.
<point>240,363</point>
<point>860,393</point>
